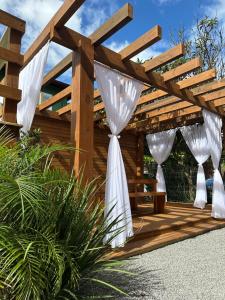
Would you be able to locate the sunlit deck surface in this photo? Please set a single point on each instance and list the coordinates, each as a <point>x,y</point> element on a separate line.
<point>180,221</point>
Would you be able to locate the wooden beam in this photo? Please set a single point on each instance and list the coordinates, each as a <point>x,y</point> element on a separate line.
<point>12,21</point>
<point>189,66</point>
<point>183,69</point>
<point>82,125</point>
<point>209,87</point>
<point>172,103</point>
<point>59,69</point>
<point>67,37</point>
<point>12,78</point>
<point>10,92</point>
<point>64,109</point>
<point>68,8</point>
<point>11,56</point>
<point>169,75</point>
<point>164,58</point>
<point>149,38</point>
<point>66,93</point>
<point>119,19</point>
<point>112,25</point>
<point>197,79</point>
<point>167,116</point>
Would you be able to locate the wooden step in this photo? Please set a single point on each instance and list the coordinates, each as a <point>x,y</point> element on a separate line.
<point>136,247</point>
<point>149,232</point>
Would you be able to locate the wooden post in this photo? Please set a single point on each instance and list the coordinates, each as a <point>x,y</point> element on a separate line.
<point>12,76</point>
<point>139,169</point>
<point>140,156</point>
<point>82,104</point>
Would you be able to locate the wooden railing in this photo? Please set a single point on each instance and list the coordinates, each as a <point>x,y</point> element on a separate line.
<point>11,62</point>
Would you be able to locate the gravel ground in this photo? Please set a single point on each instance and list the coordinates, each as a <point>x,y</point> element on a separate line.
<point>188,270</point>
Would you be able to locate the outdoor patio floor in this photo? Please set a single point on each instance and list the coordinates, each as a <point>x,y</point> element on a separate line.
<point>180,221</point>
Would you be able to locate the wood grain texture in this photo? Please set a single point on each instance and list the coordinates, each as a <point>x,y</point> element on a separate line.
<point>112,25</point>
<point>65,93</point>
<point>11,56</point>
<point>12,21</point>
<point>152,231</point>
<point>149,38</point>
<point>82,104</point>
<point>68,8</point>
<point>164,58</point>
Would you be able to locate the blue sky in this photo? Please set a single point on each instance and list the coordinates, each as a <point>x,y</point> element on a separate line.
<point>169,14</point>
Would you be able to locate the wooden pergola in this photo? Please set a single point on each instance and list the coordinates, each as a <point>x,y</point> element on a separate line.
<point>167,101</point>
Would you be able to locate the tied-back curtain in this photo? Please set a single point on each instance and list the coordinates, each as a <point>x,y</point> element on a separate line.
<point>213,126</point>
<point>160,145</point>
<point>30,81</point>
<point>195,138</point>
<point>120,95</point>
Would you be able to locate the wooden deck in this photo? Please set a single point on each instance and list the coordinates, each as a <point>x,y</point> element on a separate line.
<point>179,222</point>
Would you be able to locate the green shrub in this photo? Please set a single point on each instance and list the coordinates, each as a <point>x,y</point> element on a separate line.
<point>51,229</point>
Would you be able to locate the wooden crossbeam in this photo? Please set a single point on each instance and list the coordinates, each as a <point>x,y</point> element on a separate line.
<point>164,58</point>
<point>202,77</point>
<point>59,69</point>
<point>191,65</point>
<point>184,94</point>
<point>113,24</point>
<point>213,86</point>
<point>12,21</point>
<point>10,92</point>
<point>68,8</point>
<point>114,60</point>
<point>208,87</point>
<point>11,56</point>
<point>181,110</point>
<point>149,38</point>
<point>183,69</point>
<point>66,93</point>
<point>173,74</point>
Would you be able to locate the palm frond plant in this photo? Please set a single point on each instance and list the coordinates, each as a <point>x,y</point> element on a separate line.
<point>51,228</point>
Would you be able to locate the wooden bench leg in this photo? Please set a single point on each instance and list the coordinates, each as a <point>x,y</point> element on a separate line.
<point>159,204</point>
<point>133,204</point>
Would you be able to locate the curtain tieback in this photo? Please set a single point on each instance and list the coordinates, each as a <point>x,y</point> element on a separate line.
<point>112,135</point>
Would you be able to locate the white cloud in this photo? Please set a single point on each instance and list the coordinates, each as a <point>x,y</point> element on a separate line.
<point>162,2</point>
<point>117,46</point>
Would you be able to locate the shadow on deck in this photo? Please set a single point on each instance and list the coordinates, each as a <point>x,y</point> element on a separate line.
<point>180,221</point>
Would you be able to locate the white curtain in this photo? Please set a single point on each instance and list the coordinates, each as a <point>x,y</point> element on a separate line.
<point>213,126</point>
<point>30,81</point>
<point>160,145</point>
<point>195,137</point>
<point>120,95</point>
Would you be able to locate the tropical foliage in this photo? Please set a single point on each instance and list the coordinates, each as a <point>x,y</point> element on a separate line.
<point>51,229</point>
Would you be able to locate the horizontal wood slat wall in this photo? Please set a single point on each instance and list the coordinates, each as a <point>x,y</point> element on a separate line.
<point>60,134</point>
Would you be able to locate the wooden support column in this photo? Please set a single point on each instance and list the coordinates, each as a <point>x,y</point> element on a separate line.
<point>12,76</point>
<point>140,156</point>
<point>82,104</point>
<point>139,168</point>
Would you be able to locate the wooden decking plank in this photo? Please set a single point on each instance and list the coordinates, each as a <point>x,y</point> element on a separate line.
<point>156,231</point>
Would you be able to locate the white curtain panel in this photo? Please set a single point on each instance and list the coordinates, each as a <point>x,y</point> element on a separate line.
<point>120,95</point>
<point>160,145</point>
<point>195,138</point>
<point>213,126</point>
<point>30,81</point>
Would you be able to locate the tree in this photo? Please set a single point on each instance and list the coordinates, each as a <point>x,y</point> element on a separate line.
<point>206,41</point>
